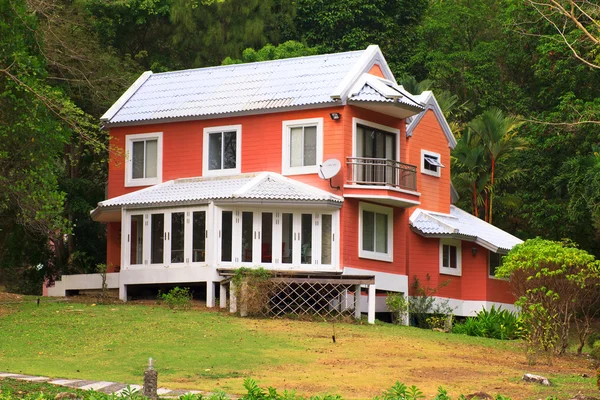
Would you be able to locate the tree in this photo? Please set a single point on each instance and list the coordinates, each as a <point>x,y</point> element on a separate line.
<point>555,284</point>
<point>288,49</point>
<point>498,135</point>
<point>470,173</point>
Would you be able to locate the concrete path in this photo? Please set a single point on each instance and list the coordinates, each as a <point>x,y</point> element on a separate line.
<point>99,386</point>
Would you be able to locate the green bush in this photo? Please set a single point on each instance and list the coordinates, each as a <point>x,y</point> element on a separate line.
<point>595,353</point>
<point>593,338</point>
<point>177,298</point>
<point>495,323</point>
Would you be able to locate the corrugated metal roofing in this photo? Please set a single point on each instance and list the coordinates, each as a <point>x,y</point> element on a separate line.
<point>262,186</point>
<point>236,88</point>
<point>462,224</point>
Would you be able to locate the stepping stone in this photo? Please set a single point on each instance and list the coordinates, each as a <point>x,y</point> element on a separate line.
<point>96,385</point>
<point>79,383</point>
<point>162,391</point>
<point>8,375</point>
<point>115,387</point>
<point>64,382</point>
<point>34,378</point>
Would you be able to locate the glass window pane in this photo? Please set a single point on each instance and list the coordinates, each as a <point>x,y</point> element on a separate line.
<point>229,150</point>
<point>287,227</point>
<point>310,145</point>
<point>177,236</point>
<point>266,253</point>
<point>453,258</point>
<point>226,235</point>
<point>157,238</point>
<point>306,239</point>
<point>247,232</point>
<point>326,239</point>
<point>136,252</point>
<point>151,158</point>
<point>214,151</point>
<point>296,147</point>
<point>137,160</point>
<point>381,239</point>
<point>368,231</point>
<point>198,236</point>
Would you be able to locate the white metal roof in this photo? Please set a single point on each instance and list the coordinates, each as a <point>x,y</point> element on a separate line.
<point>462,225</point>
<point>264,186</point>
<point>234,88</point>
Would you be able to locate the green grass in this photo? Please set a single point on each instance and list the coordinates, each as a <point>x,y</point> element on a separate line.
<point>211,350</point>
<point>19,389</point>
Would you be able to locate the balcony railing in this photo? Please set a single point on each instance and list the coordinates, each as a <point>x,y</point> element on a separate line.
<point>381,171</point>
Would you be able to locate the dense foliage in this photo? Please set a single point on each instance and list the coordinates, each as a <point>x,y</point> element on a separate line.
<point>557,286</point>
<point>495,323</point>
<point>63,63</point>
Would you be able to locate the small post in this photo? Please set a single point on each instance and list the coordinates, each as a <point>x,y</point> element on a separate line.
<point>38,301</point>
<point>151,381</point>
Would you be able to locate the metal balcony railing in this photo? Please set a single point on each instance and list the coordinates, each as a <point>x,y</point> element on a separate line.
<point>381,171</point>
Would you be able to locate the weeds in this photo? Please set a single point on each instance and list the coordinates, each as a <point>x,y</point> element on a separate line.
<point>177,298</point>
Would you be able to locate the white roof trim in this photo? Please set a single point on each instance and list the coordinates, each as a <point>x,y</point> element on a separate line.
<point>370,57</point>
<point>125,96</point>
<point>431,103</point>
<point>418,212</point>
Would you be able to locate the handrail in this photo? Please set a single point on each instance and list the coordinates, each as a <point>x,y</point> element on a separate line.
<point>381,172</point>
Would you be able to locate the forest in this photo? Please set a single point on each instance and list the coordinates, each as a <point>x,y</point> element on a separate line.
<point>518,81</point>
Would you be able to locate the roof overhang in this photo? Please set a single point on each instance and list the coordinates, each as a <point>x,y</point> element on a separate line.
<point>465,238</point>
<point>395,109</point>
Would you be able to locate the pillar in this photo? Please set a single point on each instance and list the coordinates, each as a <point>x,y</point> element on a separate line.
<point>210,294</point>
<point>222,296</point>
<point>232,299</point>
<point>371,305</point>
<point>123,292</point>
<point>357,301</point>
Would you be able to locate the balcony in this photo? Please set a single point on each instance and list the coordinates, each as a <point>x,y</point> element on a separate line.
<point>383,181</point>
<point>381,172</point>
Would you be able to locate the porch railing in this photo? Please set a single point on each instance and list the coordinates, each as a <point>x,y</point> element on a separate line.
<point>381,171</point>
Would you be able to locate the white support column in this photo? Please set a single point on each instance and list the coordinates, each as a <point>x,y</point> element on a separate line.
<point>232,299</point>
<point>405,320</point>
<point>123,292</point>
<point>371,304</point>
<point>357,301</point>
<point>244,304</point>
<point>222,296</point>
<point>210,294</point>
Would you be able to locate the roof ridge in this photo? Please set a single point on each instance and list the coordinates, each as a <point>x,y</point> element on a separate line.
<point>254,63</point>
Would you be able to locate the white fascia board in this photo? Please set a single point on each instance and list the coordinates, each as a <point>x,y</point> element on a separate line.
<point>108,115</point>
<point>371,56</point>
<point>432,104</point>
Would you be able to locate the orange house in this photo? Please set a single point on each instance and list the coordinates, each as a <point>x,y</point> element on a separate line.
<point>317,165</point>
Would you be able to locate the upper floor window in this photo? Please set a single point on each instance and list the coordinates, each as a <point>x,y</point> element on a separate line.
<point>222,150</point>
<point>143,159</point>
<point>495,261</point>
<point>450,257</point>
<point>376,225</point>
<point>302,146</point>
<point>374,141</point>
<point>431,163</point>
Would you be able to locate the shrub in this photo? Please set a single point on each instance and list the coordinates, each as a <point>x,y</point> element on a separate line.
<point>495,323</point>
<point>422,305</point>
<point>593,338</point>
<point>595,353</point>
<point>398,305</point>
<point>177,298</point>
<point>252,290</point>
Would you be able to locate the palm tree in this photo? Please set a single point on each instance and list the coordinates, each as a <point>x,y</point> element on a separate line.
<point>498,135</point>
<point>469,169</point>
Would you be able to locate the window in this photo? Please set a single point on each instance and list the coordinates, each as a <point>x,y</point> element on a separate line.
<point>450,257</point>
<point>302,146</point>
<point>376,232</point>
<point>143,165</point>
<point>431,163</point>
<point>495,261</point>
<point>222,150</point>
<point>376,150</point>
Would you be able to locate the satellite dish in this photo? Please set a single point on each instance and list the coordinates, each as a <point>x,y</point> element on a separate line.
<point>330,168</point>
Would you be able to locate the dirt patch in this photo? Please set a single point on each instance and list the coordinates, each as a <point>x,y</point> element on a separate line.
<point>10,297</point>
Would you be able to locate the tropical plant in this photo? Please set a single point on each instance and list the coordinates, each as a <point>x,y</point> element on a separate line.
<point>498,137</point>
<point>495,323</point>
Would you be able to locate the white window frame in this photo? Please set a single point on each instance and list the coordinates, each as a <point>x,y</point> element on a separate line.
<point>374,255</point>
<point>138,137</point>
<point>447,270</point>
<point>286,169</point>
<point>425,171</point>
<point>490,262</point>
<point>238,150</point>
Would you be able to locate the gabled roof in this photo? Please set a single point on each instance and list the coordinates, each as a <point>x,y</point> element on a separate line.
<point>239,89</point>
<point>461,225</point>
<point>427,99</point>
<point>264,187</point>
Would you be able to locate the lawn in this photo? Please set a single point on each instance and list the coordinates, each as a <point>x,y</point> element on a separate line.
<point>200,349</point>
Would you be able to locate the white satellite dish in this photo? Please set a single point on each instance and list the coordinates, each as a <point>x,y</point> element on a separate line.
<point>330,168</point>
